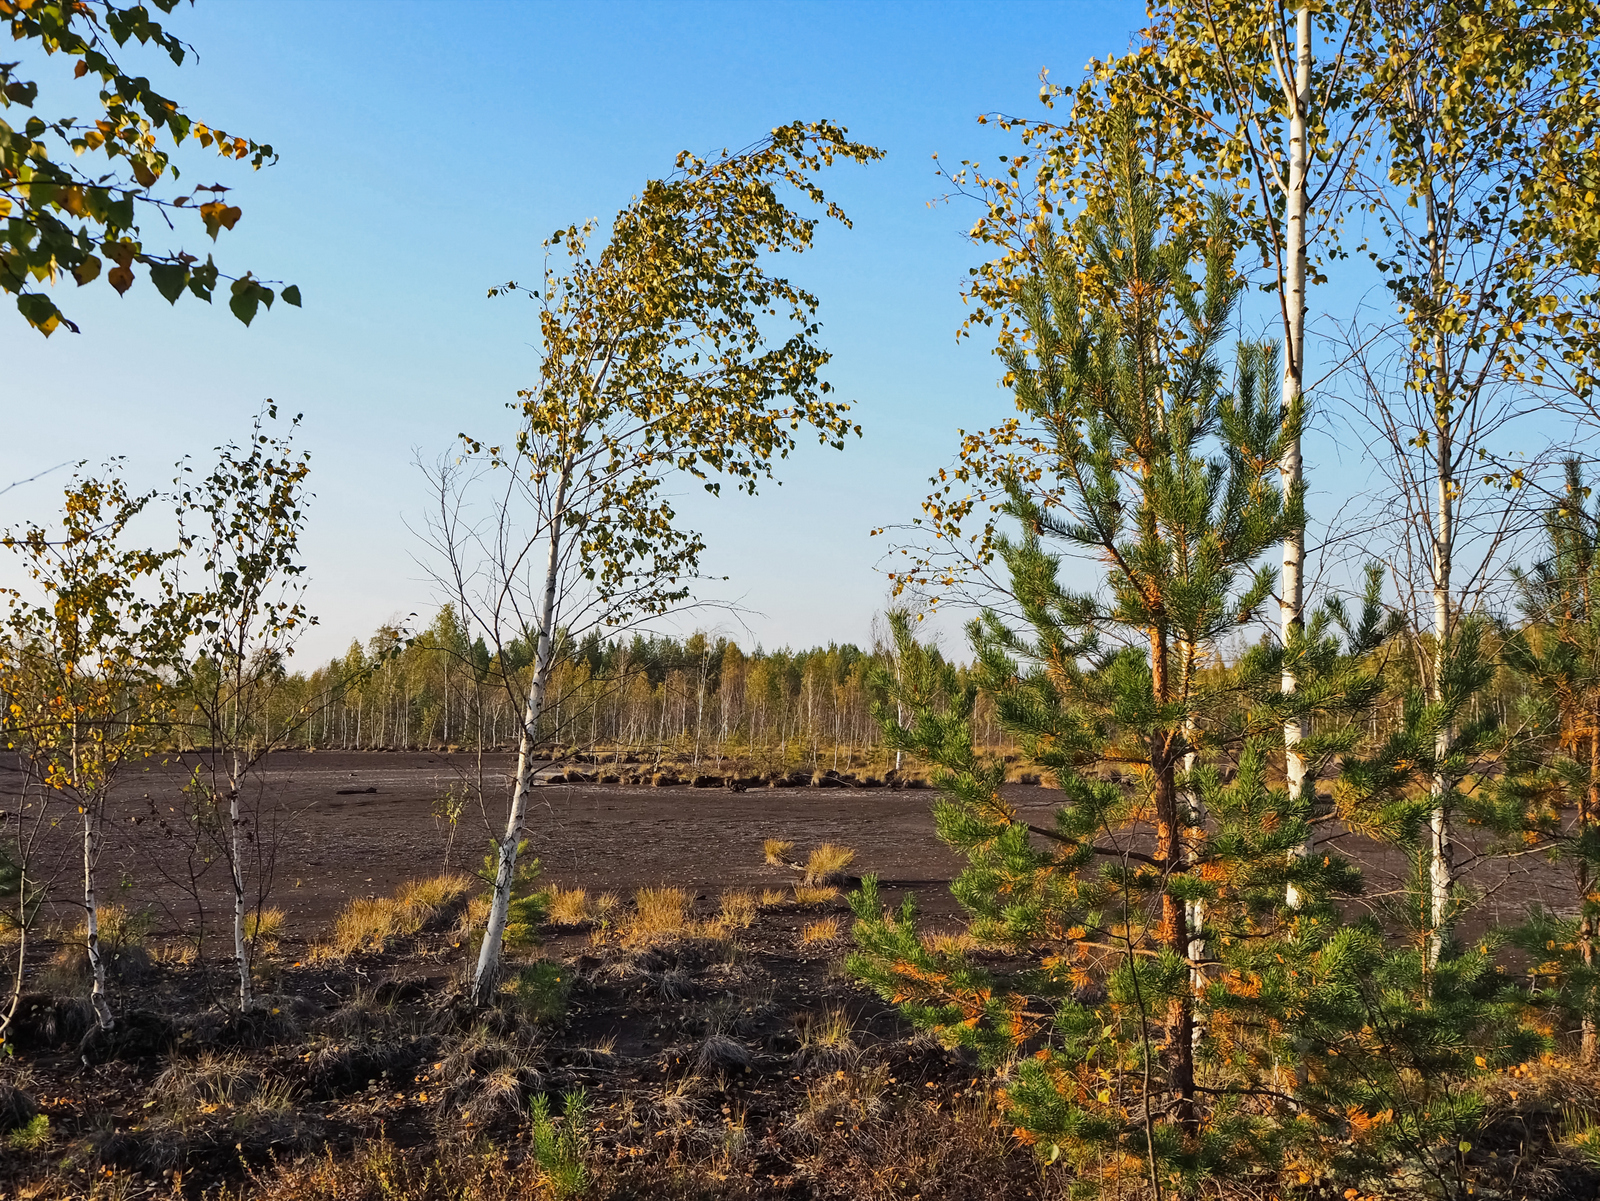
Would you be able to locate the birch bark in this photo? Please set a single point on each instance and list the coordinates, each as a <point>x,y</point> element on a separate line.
<point>486,977</point>
<point>1292,595</point>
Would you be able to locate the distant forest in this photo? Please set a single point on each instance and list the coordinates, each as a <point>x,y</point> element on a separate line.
<point>688,699</point>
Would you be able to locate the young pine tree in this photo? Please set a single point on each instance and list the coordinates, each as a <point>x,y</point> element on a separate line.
<point>1406,1044</point>
<point>1557,654</point>
<point>1149,1017</point>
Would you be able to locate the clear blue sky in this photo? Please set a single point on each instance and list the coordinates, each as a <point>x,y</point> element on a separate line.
<point>426,150</point>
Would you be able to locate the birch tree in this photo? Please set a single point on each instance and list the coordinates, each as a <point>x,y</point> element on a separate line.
<point>669,354</point>
<point>242,525</point>
<point>85,666</point>
<point>1486,293</point>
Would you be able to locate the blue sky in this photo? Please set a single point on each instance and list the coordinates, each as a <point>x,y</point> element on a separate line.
<point>426,150</point>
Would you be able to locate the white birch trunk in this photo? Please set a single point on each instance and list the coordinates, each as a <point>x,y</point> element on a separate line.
<point>486,977</point>
<point>91,919</point>
<point>1441,857</point>
<point>20,976</point>
<point>1290,470</point>
<point>241,948</point>
<point>1195,910</point>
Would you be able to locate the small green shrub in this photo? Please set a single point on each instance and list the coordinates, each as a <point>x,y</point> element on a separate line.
<point>32,1136</point>
<point>562,1151</point>
<point>528,909</point>
<point>540,991</point>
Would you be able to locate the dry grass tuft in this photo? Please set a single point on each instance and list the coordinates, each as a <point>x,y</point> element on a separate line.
<point>372,923</point>
<point>824,930</point>
<point>722,1053</point>
<point>738,909</point>
<point>806,894</point>
<point>265,928</point>
<point>606,906</point>
<point>827,1038</point>
<point>680,1100</point>
<point>774,896</point>
<point>187,1086</point>
<point>844,1097</point>
<point>473,918</point>
<point>482,1076</point>
<point>826,864</point>
<point>118,928</point>
<point>778,851</point>
<point>660,915</point>
<point>569,906</point>
<point>434,892</point>
<point>360,1016</point>
<point>367,924</point>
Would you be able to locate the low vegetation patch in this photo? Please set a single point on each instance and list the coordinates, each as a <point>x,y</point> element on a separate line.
<point>826,864</point>
<point>738,909</point>
<point>809,894</point>
<point>570,906</point>
<point>372,924</point>
<point>659,915</point>
<point>779,852</point>
<point>539,991</point>
<point>823,930</point>
<point>264,927</point>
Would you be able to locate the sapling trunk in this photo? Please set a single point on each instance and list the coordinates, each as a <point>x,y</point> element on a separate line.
<point>15,1000</point>
<point>91,919</point>
<point>241,945</point>
<point>487,974</point>
<point>1588,1048</point>
<point>1170,849</point>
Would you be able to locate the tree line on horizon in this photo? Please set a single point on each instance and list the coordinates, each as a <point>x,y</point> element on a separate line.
<point>694,698</point>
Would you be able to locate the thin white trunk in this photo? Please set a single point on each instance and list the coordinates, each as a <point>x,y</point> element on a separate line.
<point>486,977</point>
<point>23,926</point>
<point>91,918</point>
<point>1441,858</point>
<point>241,947</point>
<point>1292,597</point>
<point>1196,910</point>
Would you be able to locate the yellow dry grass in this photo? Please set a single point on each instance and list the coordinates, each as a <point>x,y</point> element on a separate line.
<point>738,908</point>
<point>826,863</point>
<point>823,930</point>
<point>434,892</point>
<point>831,1029</point>
<point>116,927</point>
<point>659,915</point>
<point>368,924</point>
<point>606,906</point>
<point>774,896</point>
<point>372,923</point>
<point>777,851</point>
<point>807,894</point>
<point>569,906</point>
<point>473,918</point>
<point>265,928</point>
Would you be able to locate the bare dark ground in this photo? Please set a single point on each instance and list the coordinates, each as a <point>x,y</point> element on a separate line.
<point>359,824</point>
